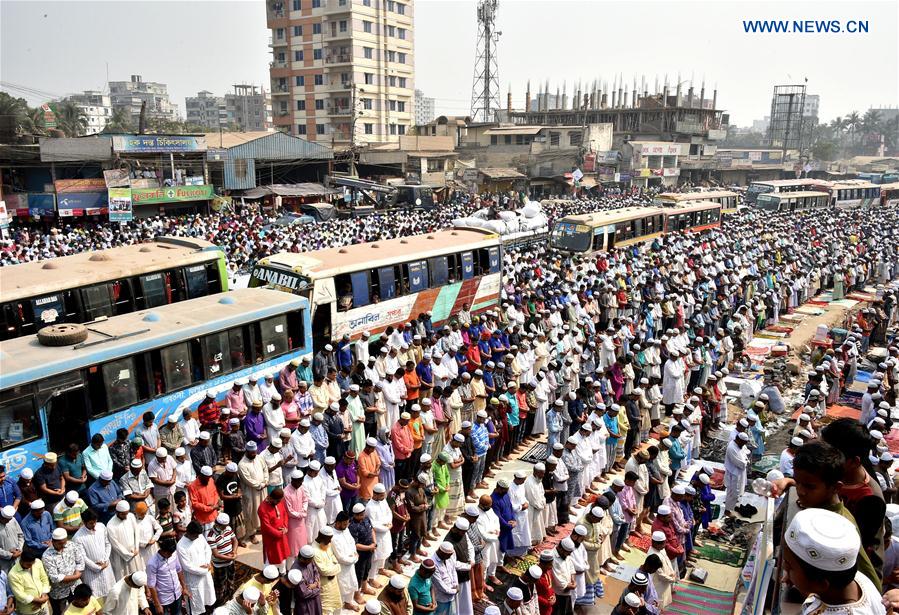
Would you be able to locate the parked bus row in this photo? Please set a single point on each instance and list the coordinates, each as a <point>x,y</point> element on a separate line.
<point>727,199</point>
<point>844,194</point>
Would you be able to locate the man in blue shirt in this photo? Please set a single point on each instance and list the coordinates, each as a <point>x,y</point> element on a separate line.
<point>480,439</point>
<point>38,527</point>
<point>10,494</point>
<point>425,372</point>
<point>165,580</point>
<point>103,496</point>
<point>345,353</point>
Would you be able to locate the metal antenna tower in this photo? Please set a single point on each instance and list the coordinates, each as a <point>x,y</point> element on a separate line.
<point>485,85</point>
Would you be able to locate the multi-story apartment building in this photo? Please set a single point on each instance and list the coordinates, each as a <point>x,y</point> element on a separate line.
<point>130,95</point>
<point>424,109</point>
<point>206,110</point>
<point>249,108</point>
<point>342,71</point>
<point>96,106</point>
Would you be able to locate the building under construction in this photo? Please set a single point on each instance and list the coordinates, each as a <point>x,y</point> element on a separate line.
<point>667,111</point>
<point>786,130</point>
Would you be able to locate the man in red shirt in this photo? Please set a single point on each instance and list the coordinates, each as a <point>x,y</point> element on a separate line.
<point>204,498</point>
<point>546,597</point>
<point>663,522</point>
<point>273,525</point>
<point>401,438</point>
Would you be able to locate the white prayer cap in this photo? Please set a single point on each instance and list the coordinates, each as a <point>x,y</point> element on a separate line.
<point>502,483</point>
<point>59,534</point>
<point>373,606</point>
<point>472,510</point>
<point>104,475</point>
<point>466,424</point>
<point>667,442</point>
<point>231,467</point>
<point>358,507</point>
<point>122,506</point>
<point>72,497</point>
<point>632,600</point>
<point>379,488</point>
<point>162,453</point>
<point>459,437</point>
<point>658,536</point>
<point>139,578</point>
<point>206,471</point>
<point>8,511</point>
<point>295,576</point>
<point>876,434</point>
<point>315,466</point>
<point>252,594</point>
<point>371,442</point>
<point>539,467</point>
<point>462,524</point>
<point>796,441</point>
<point>446,547</point>
<point>580,530</point>
<point>296,474</point>
<point>704,479</point>
<point>804,417</point>
<point>306,551</point>
<point>535,571</point>
<point>618,481</point>
<point>664,509</point>
<point>180,451</point>
<point>678,490</point>
<point>567,544</point>
<point>743,436</point>
<point>222,519</point>
<point>27,473</point>
<point>270,572</point>
<point>37,504</point>
<point>235,421</point>
<point>398,581</point>
<point>558,446</point>
<point>519,474</point>
<point>173,418</point>
<point>513,593</point>
<point>823,539</point>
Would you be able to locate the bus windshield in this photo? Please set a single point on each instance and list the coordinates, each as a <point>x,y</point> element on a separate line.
<point>759,189</point>
<point>572,237</point>
<point>767,202</point>
<point>278,279</point>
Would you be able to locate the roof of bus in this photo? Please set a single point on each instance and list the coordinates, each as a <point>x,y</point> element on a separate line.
<point>695,196</point>
<point>692,206</point>
<point>24,359</point>
<point>55,274</point>
<point>891,186</point>
<point>790,182</point>
<point>853,183</point>
<point>610,216</point>
<point>791,195</point>
<point>332,261</point>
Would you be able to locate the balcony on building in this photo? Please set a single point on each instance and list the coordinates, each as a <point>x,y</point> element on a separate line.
<point>276,9</point>
<point>279,89</point>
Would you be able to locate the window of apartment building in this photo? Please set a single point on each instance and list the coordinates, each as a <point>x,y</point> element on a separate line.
<point>369,128</point>
<point>400,8</point>
<point>402,82</point>
<point>554,138</point>
<point>301,129</point>
<point>279,32</point>
<point>435,165</point>
<point>366,26</point>
<point>366,104</point>
<point>301,105</point>
<point>319,129</point>
<point>393,129</point>
<point>391,104</point>
<point>319,104</point>
<point>300,80</point>
<point>369,78</point>
<point>341,2</point>
<point>316,28</point>
<point>298,55</point>
<point>401,128</point>
<point>494,140</point>
<point>368,52</point>
<point>523,139</point>
<point>575,138</point>
<point>281,58</point>
<point>296,5</point>
<point>401,106</point>
<point>283,106</point>
<point>401,57</point>
<point>343,25</point>
<point>391,31</point>
<point>391,81</point>
<point>401,33</point>
<point>507,139</point>
<point>366,2</point>
<point>391,5</point>
<point>319,80</point>
<point>391,56</point>
<point>316,4</point>
<point>316,54</point>
<point>298,30</point>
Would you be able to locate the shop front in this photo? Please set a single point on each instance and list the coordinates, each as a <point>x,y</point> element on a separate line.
<point>172,200</point>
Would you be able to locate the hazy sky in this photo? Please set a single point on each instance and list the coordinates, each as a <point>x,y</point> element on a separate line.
<point>56,48</point>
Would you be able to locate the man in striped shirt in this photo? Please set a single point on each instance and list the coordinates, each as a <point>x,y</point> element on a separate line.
<point>223,543</point>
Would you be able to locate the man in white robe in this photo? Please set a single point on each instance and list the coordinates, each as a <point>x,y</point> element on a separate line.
<point>665,578</point>
<point>736,459</point>
<point>488,525</point>
<point>128,596</point>
<point>253,473</point>
<point>314,487</point>
<point>381,518</point>
<point>93,538</point>
<point>196,562</point>
<point>12,539</point>
<point>673,380</point>
<point>536,498</point>
<point>124,537</point>
<point>344,547</point>
<point>521,533</point>
<point>328,475</point>
<point>274,417</point>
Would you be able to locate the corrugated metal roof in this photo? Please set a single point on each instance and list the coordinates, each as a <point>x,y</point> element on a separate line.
<point>514,130</point>
<point>232,139</point>
<point>302,189</point>
<point>502,173</point>
<point>280,146</point>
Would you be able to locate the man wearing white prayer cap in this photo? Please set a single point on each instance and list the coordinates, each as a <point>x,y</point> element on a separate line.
<point>736,459</point>
<point>127,596</point>
<point>821,560</point>
<point>665,524</point>
<point>124,534</point>
<point>665,577</point>
<point>564,582</point>
<point>535,496</point>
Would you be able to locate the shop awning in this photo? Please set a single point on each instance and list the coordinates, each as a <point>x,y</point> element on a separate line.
<point>302,189</point>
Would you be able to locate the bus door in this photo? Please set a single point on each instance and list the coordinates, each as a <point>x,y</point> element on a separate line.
<point>610,237</point>
<point>64,399</point>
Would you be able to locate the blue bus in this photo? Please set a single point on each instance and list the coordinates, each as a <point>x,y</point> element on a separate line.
<point>160,360</point>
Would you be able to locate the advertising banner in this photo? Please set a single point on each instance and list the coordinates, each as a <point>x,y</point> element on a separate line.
<point>120,209</point>
<point>95,184</point>
<point>171,194</point>
<point>150,144</point>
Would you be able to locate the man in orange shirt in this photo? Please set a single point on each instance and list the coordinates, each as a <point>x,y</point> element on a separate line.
<point>369,469</point>
<point>418,437</point>
<point>204,498</point>
<point>413,384</point>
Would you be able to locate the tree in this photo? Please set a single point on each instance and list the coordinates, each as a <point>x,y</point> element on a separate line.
<point>119,122</point>
<point>824,149</point>
<point>71,119</point>
<point>14,117</point>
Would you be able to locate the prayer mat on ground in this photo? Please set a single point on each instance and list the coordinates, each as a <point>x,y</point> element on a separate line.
<point>836,411</point>
<point>535,454</point>
<point>720,553</point>
<point>862,376</point>
<point>892,440</point>
<point>852,399</point>
<point>780,329</point>
<point>818,302</point>
<point>861,296</point>
<point>792,318</point>
<point>810,310</point>
<point>693,599</point>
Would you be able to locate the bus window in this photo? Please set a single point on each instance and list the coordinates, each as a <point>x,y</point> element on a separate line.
<point>96,302</point>
<point>215,354</point>
<point>176,366</point>
<point>361,286</point>
<point>493,256</point>
<point>237,346</point>
<point>113,386</point>
<point>638,227</point>
<point>454,268</point>
<point>439,271</point>
<point>273,332</point>
<point>387,283</point>
<point>467,266</point>
<point>195,278</point>
<point>296,331</point>
<point>152,287</point>
<point>47,310</point>
<point>19,419</point>
<point>418,276</point>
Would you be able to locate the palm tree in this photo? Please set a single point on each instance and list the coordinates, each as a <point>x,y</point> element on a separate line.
<point>71,119</point>
<point>119,122</point>
<point>853,123</point>
<point>14,114</point>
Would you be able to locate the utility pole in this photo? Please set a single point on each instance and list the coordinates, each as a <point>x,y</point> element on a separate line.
<point>485,86</point>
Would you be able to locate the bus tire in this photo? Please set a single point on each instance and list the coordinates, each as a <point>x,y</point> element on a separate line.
<point>64,334</point>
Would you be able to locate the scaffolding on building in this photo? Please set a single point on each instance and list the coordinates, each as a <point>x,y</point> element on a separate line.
<point>787,128</point>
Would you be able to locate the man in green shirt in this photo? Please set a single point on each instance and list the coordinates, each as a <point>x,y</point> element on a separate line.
<point>441,473</point>
<point>420,590</point>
